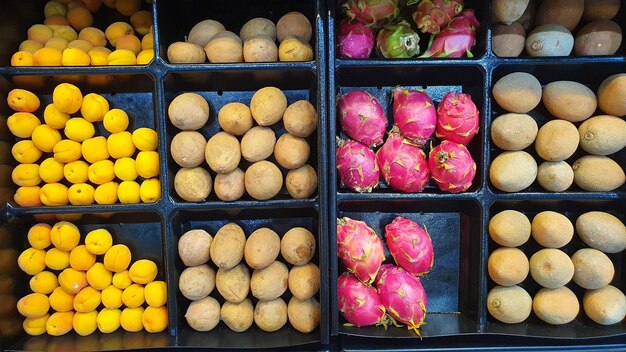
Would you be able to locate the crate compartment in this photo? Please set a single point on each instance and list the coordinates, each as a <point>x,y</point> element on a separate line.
<point>249,219</point>
<point>452,286</point>
<point>582,326</point>
<point>589,74</point>
<point>142,232</point>
<point>435,80</point>
<point>220,88</point>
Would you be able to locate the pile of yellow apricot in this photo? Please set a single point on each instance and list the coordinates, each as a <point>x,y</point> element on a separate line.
<point>67,38</point>
<point>94,289</point>
<point>76,166</point>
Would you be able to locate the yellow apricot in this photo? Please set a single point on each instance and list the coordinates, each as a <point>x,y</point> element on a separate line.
<point>124,169</point>
<point>61,301</point>
<point>79,18</point>
<point>141,21</point>
<point>51,170</point>
<point>122,57</point>
<point>25,152</point>
<point>34,305</point>
<point>72,281</point>
<point>129,42</point>
<point>117,258</point>
<point>99,57</point>
<point>67,98</point>
<point>106,193</point>
<point>131,319</point>
<point>93,35</point>
<point>85,323</point>
<point>81,259</point>
<point>156,293</point>
<point>78,129</point>
<point>98,241</point>
<point>56,20</point>
<point>23,58</point>
<point>22,124</point>
<point>45,282</point>
<point>45,137</point>
<point>67,151</point>
<point>27,196</point>
<point>147,164</point>
<point>75,57</point>
<point>76,172</point>
<point>65,235</point>
<point>128,192</point>
<point>145,139</point>
<point>32,261</point>
<point>30,46</point>
<point>133,296</point>
<point>95,149</point>
<point>54,8</point>
<point>81,194</point>
<point>145,57</point>
<point>66,32</point>
<point>22,100</point>
<point>155,319</point>
<point>147,42</point>
<point>108,320</point>
<point>143,271</point>
<point>40,33</point>
<point>48,57</point>
<point>111,297</point>
<point>59,323</point>
<point>120,145</point>
<point>39,236</point>
<point>54,118</point>
<point>150,190</point>
<point>94,107</point>
<point>101,172</point>
<point>122,279</point>
<point>99,277</point>
<point>57,259</point>
<point>127,7</point>
<point>115,121</point>
<point>26,175</point>
<point>117,30</point>
<point>87,299</point>
<point>57,43</point>
<point>35,326</point>
<point>80,44</point>
<point>54,194</point>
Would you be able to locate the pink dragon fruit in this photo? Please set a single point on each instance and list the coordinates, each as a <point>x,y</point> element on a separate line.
<point>357,166</point>
<point>457,39</point>
<point>402,164</point>
<point>414,114</point>
<point>356,40</point>
<point>432,15</point>
<point>359,304</point>
<point>403,296</point>
<point>452,167</point>
<point>362,117</point>
<point>373,13</point>
<point>397,41</point>
<point>457,118</point>
<point>359,248</point>
<point>410,246</point>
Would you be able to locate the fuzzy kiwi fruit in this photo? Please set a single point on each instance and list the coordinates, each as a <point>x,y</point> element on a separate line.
<point>509,305</point>
<point>567,100</point>
<point>598,174</point>
<point>602,231</point>
<point>508,266</point>
<point>508,40</point>
<point>592,268</point>
<point>551,268</point>
<point>602,135</point>
<point>605,306</point>
<point>509,228</point>
<point>602,37</point>
<point>518,92</point>
<point>556,306</point>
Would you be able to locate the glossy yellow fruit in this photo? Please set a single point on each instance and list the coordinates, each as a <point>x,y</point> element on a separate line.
<point>122,279</point>
<point>87,300</point>
<point>128,192</point>
<point>51,170</point>
<point>54,194</point>
<point>75,57</point>
<point>155,319</point>
<point>40,33</point>
<point>115,121</point>
<point>39,236</point>
<point>66,32</point>
<point>32,261</point>
<point>117,258</point>
<point>48,57</point>
<point>26,175</point>
<point>133,296</point>
<point>58,43</point>
<point>54,118</point>
<point>108,320</point>
<point>106,193</point>
<point>112,297</point>
<point>59,323</point>
<point>80,44</point>
<point>85,323</point>
<point>94,107</point>
<point>72,281</point>
<point>67,151</point>
<point>35,326</point>
<point>131,319</point>
<point>23,100</point>
<point>145,139</point>
<point>45,137</point>
<point>22,124</point>
<point>81,194</point>
<point>81,259</point>
<point>45,282</point>
<point>79,129</point>
<point>23,59</point>
<point>61,301</point>
<point>99,56</point>
<point>150,190</point>
<point>156,293</point>
<point>120,145</point>
<point>57,259</point>
<point>67,98</point>
<point>99,277</point>
<point>117,30</point>
<point>30,46</point>
<point>25,152</point>
<point>147,164</point>
<point>93,35</point>
<point>98,241</point>
<point>124,169</point>
<point>34,305</point>
<point>143,271</point>
<point>76,171</point>
<point>122,57</point>
<point>65,235</point>
<point>101,172</point>
<point>95,149</point>
<point>145,57</point>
